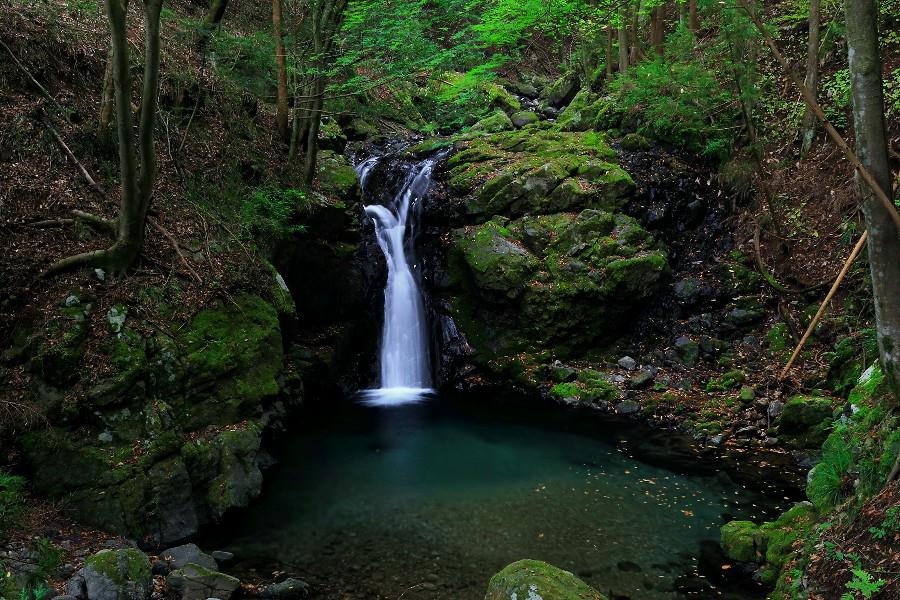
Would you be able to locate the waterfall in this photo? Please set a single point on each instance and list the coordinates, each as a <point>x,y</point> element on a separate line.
<point>404,357</point>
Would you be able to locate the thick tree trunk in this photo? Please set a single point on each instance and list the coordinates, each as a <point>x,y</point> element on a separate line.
<point>281,109</point>
<point>871,147</point>
<point>215,13</point>
<point>693,16</point>
<point>312,136</point>
<point>107,102</point>
<point>634,35</point>
<point>808,128</point>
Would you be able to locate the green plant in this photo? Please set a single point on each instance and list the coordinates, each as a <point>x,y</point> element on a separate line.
<point>863,583</point>
<point>270,211</point>
<point>891,524</point>
<point>11,501</point>
<point>827,482</point>
<point>837,89</point>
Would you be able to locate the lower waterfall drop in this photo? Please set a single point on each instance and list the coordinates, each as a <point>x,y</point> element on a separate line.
<point>405,362</point>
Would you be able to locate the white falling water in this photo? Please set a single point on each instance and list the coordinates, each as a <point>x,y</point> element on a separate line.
<point>405,364</point>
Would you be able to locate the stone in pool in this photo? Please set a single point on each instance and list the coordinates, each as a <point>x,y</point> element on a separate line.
<point>535,579</point>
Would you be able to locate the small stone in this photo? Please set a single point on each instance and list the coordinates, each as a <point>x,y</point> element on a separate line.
<point>180,556</point>
<point>116,319</point>
<point>628,363</point>
<point>105,437</point>
<point>641,380</point>
<point>717,440</point>
<point>775,408</point>
<point>747,394</point>
<point>100,274</point>
<point>194,582</point>
<point>71,301</point>
<point>289,589</point>
<point>771,442</point>
<point>748,431</point>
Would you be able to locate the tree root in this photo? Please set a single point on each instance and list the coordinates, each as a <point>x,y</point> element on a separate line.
<point>94,258</point>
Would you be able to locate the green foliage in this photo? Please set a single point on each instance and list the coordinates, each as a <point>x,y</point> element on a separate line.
<point>864,584</point>
<point>677,99</point>
<point>46,559</point>
<point>246,60</point>
<point>270,211</point>
<point>836,88</point>
<point>11,501</point>
<point>827,484</point>
<point>890,525</point>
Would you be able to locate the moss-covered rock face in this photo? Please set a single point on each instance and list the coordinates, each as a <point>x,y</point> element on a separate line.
<point>535,579</point>
<point>743,541</point>
<point>118,575</point>
<point>538,171</point>
<point>499,121</point>
<point>337,177</point>
<point>166,439</point>
<point>805,421</point>
<point>556,282</point>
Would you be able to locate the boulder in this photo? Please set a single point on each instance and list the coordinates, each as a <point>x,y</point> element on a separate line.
<point>117,575</point>
<point>805,421</point>
<point>743,541</point>
<point>533,579</point>
<point>563,90</point>
<point>523,118</point>
<point>194,582</point>
<point>179,556</point>
<point>499,121</point>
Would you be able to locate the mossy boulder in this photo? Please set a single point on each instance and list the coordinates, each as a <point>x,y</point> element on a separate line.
<point>561,92</point>
<point>782,535</point>
<point>635,142</point>
<point>331,136</point>
<point>805,421</point>
<point>743,541</point>
<point>557,281</point>
<point>526,579</point>
<point>537,171</point>
<point>590,387</point>
<point>118,575</point>
<point>499,121</point>
<point>337,178</point>
<point>588,111</point>
<point>523,118</point>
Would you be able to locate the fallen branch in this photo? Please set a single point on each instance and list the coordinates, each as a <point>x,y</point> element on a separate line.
<point>31,77</point>
<point>174,243</point>
<point>837,282</point>
<point>84,172</point>
<point>810,100</point>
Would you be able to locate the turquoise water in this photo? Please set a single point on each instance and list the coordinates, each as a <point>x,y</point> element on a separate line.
<point>429,500</point>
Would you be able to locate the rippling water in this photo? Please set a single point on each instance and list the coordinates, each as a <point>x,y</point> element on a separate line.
<point>429,500</point>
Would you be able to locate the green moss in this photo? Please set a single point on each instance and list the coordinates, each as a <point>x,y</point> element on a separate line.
<point>123,567</point>
<point>805,421</point>
<point>535,579</point>
<point>743,541</point>
<point>499,121</point>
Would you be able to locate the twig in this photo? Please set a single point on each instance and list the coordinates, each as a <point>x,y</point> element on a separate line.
<point>31,77</point>
<point>84,172</point>
<point>837,282</point>
<point>174,243</point>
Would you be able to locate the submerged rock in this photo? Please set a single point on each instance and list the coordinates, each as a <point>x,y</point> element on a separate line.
<point>289,589</point>
<point>536,579</point>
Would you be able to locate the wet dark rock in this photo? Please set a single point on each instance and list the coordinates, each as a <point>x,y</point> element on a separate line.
<point>627,407</point>
<point>642,380</point>
<point>194,582</point>
<point>628,363</point>
<point>289,589</point>
<point>179,556</point>
<point>222,555</point>
<point>688,350</point>
<point>117,575</point>
<point>774,408</point>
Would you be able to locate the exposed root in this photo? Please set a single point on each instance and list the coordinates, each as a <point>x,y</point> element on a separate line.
<point>94,258</point>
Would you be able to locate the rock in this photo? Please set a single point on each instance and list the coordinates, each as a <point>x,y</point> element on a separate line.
<point>717,440</point>
<point>533,579</point>
<point>336,176</point>
<point>748,431</point>
<point>523,118</point>
<point>641,380</point>
<point>289,589</point>
<point>497,122</point>
<point>628,363</point>
<point>563,90</point>
<point>743,541</point>
<point>222,556</point>
<point>634,142</point>
<point>747,394</point>
<point>563,374</point>
<point>688,290</point>
<point>770,442</point>
<point>117,575</point>
<point>774,408</point>
<point>179,556</point>
<point>805,421</point>
<point>627,407</point>
<point>688,351</point>
<point>194,582</point>
<point>75,587</point>
<point>64,597</point>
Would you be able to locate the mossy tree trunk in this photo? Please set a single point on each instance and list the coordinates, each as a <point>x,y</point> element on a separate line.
<point>623,42</point>
<point>658,28</point>
<point>871,147</point>
<point>107,98</point>
<point>808,128</point>
<point>137,181</point>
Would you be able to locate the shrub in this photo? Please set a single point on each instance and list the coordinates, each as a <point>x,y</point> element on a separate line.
<point>269,212</point>
<point>11,501</point>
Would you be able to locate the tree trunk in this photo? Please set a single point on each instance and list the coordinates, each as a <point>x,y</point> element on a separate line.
<point>693,16</point>
<point>808,128</point>
<point>137,186</point>
<point>871,146</point>
<point>623,44</point>
<point>609,53</point>
<point>215,13</point>
<point>107,99</point>
<point>281,109</point>
<point>634,35</point>
<point>682,13</point>
<point>312,136</point>
<point>658,28</point>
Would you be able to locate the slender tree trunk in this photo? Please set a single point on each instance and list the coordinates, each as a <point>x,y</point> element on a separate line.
<point>634,35</point>
<point>871,147</point>
<point>808,128</point>
<point>682,13</point>
<point>107,98</point>
<point>609,53</point>
<point>312,136</point>
<point>215,13</point>
<point>693,16</point>
<point>281,110</point>
<point>658,28</point>
<point>623,44</point>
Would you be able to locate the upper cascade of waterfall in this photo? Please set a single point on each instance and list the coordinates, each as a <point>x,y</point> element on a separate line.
<point>405,363</point>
